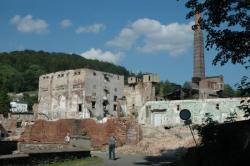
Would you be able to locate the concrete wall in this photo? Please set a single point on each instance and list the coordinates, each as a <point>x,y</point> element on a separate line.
<point>140,90</point>
<point>166,113</point>
<point>210,85</point>
<point>78,94</point>
<point>137,95</point>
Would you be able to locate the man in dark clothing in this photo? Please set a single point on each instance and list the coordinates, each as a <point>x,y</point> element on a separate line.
<point>112,143</point>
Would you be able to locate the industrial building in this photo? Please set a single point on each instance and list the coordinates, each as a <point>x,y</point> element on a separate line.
<point>79,93</point>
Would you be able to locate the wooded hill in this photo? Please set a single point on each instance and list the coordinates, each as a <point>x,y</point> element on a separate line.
<point>20,70</point>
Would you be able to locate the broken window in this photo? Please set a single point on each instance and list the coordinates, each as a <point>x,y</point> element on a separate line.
<point>115,98</point>
<point>79,107</point>
<point>178,107</point>
<point>217,106</point>
<point>149,78</point>
<point>106,91</point>
<point>77,73</point>
<point>106,78</point>
<point>18,124</point>
<point>93,104</point>
<point>115,107</point>
<point>94,73</point>
<point>133,106</point>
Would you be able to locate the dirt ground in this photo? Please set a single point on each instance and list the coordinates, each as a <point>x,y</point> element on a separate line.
<point>158,140</point>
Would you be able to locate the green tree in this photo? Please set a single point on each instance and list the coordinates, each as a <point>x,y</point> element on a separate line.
<point>31,77</point>
<point>30,100</point>
<point>4,102</point>
<point>228,91</point>
<point>165,87</point>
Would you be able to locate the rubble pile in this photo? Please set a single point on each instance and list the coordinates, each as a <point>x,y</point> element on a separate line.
<point>157,140</point>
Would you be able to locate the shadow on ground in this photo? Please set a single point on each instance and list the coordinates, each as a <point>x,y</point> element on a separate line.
<point>167,158</point>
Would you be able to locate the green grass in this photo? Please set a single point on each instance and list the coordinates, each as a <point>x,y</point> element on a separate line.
<point>78,162</point>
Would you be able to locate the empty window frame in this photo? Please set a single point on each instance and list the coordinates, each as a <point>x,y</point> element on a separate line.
<point>79,107</point>
<point>217,106</point>
<point>115,107</point>
<point>115,98</point>
<point>93,104</point>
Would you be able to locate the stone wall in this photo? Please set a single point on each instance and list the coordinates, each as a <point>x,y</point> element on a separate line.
<point>55,131</point>
<point>41,147</point>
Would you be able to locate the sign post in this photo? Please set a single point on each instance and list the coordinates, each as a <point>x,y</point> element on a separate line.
<point>185,115</point>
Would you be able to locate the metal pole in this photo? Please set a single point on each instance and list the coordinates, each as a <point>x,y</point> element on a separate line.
<point>192,135</point>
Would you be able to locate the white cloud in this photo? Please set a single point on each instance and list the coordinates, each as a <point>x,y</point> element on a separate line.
<point>27,24</point>
<point>154,37</point>
<point>66,23</point>
<point>95,28</point>
<point>102,55</point>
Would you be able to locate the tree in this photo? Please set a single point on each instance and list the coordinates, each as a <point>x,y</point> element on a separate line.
<point>4,102</point>
<point>227,23</point>
<point>165,87</point>
<point>30,100</point>
<point>228,91</point>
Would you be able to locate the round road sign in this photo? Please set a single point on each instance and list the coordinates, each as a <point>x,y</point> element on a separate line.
<point>185,114</point>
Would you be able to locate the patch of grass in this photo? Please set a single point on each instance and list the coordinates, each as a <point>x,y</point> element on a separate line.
<point>77,162</point>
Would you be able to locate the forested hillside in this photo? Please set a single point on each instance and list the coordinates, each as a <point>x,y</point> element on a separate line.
<point>20,70</point>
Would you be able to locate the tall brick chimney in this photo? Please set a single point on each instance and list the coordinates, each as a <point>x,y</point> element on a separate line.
<point>199,65</point>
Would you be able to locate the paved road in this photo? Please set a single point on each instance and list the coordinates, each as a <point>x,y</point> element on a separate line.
<point>132,160</point>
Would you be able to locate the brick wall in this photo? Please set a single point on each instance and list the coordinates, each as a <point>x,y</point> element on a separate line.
<point>99,133</point>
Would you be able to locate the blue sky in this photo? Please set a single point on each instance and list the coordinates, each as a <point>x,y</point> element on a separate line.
<point>141,35</point>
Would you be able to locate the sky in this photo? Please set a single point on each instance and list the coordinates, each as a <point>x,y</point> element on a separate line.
<point>141,35</point>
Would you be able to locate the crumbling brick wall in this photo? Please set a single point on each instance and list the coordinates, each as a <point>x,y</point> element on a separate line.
<point>54,131</point>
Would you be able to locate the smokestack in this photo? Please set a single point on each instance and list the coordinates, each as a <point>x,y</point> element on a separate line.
<point>199,65</point>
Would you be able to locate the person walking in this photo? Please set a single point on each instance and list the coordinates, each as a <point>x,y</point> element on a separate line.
<point>112,144</point>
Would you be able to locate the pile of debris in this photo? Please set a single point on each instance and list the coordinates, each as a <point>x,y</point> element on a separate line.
<point>158,140</point>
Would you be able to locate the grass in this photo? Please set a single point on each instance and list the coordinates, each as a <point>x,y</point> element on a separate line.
<point>78,162</point>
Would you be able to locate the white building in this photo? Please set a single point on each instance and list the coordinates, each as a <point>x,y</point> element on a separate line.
<point>166,113</point>
<point>17,107</point>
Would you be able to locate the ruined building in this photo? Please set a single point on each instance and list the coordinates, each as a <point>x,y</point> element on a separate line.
<point>78,94</point>
<point>140,90</point>
<point>166,113</point>
<point>208,86</point>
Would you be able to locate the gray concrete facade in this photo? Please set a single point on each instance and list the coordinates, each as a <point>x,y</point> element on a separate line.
<point>140,90</point>
<point>78,94</point>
